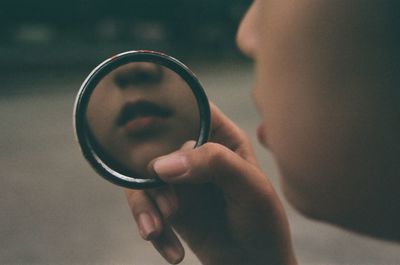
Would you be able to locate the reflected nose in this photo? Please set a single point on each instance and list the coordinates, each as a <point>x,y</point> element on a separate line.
<point>138,74</point>
<point>246,35</point>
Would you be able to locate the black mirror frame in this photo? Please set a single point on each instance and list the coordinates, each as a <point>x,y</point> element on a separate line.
<point>82,100</point>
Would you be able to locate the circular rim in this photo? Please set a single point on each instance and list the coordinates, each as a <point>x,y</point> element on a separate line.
<point>82,100</point>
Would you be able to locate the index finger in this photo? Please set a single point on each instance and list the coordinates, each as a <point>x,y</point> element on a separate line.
<point>225,132</point>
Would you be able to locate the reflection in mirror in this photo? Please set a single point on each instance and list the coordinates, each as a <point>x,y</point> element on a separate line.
<point>138,112</point>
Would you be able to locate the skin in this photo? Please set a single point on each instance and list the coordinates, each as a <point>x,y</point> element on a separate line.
<point>326,88</point>
<point>239,221</point>
<point>134,152</point>
<point>329,110</point>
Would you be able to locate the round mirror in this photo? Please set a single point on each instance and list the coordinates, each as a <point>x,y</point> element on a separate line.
<point>134,107</point>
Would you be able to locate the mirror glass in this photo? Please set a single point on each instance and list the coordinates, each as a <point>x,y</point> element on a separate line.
<point>140,111</point>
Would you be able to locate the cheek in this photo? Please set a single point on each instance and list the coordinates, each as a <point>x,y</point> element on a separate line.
<point>332,130</point>
<point>315,142</point>
<point>102,112</point>
<point>307,127</point>
<point>292,88</point>
<point>321,128</point>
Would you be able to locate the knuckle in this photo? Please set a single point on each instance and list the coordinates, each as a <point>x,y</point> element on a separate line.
<point>241,133</point>
<point>132,196</point>
<point>242,136</point>
<point>137,201</point>
<point>166,201</point>
<point>218,157</point>
<point>172,212</point>
<point>215,152</point>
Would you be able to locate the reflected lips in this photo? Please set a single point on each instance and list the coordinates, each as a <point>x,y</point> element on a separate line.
<point>141,117</point>
<point>261,134</point>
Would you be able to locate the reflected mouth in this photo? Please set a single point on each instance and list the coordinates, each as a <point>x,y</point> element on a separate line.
<point>140,116</point>
<point>262,135</point>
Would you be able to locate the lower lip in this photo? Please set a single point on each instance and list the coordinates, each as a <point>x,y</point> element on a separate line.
<point>142,124</point>
<point>261,134</point>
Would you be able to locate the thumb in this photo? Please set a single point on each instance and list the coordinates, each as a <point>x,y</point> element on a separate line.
<point>213,163</point>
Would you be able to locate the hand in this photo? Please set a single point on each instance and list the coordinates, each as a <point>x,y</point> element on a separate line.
<point>218,201</point>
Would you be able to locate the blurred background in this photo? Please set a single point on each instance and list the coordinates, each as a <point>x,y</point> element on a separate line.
<point>60,33</point>
<point>53,208</point>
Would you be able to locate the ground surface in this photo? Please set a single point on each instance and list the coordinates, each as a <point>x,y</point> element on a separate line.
<point>55,210</point>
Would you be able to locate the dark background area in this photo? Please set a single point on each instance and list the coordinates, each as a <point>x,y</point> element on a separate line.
<point>76,32</point>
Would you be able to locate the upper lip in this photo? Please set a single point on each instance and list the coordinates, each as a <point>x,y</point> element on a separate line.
<point>141,108</point>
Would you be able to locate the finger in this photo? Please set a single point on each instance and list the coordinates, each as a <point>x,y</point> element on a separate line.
<point>224,131</point>
<point>217,164</point>
<point>166,200</point>
<point>145,214</point>
<point>188,145</point>
<point>169,246</point>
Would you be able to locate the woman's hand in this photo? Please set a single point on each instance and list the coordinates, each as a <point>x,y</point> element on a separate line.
<point>217,200</point>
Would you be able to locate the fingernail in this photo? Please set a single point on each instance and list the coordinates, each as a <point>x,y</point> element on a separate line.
<point>188,145</point>
<point>147,228</point>
<point>174,254</point>
<point>171,166</point>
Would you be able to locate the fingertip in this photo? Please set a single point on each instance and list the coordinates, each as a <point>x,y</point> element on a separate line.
<point>169,246</point>
<point>174,255</point>
<point>171,167</point>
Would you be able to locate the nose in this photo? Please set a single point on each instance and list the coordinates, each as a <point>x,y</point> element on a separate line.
<point>138,74</point>
<point>246,37</point>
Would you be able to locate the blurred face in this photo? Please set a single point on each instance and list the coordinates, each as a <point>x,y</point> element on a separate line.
<point>328,112</point>
<point>141,111</point>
